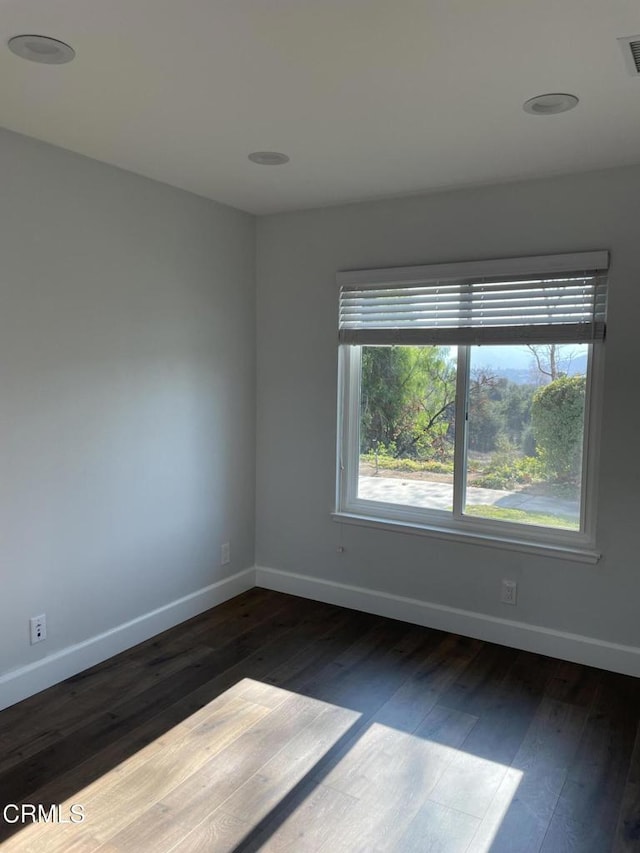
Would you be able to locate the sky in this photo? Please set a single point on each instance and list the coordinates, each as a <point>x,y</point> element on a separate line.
<point>521,358</point>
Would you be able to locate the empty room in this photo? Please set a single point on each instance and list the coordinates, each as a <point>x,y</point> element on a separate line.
<point>318,421</point>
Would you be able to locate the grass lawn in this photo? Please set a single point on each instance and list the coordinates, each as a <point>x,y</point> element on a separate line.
<point>523,517</point>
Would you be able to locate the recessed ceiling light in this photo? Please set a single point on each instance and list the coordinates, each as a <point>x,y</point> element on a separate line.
<point>547,105</point>
<point>268,158</point>
<point>41,49</point>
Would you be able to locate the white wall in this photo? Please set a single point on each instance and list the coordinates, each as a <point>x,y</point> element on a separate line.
<point>298,256</point>
<point>127,383</point>
<point>127,417</point>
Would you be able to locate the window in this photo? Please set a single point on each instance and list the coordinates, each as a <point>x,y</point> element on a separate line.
<point>468,399</point>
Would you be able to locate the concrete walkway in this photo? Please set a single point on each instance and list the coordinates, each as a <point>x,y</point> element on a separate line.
<point>423,493</point>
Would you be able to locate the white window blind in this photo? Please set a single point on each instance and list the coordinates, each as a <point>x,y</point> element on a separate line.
<point>559,298</point>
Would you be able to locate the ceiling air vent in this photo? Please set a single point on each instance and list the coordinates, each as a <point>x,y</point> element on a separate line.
<point>631,51</point>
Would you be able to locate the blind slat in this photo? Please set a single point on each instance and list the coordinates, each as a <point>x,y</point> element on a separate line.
<point>400,301</point>
<point>417,309</point>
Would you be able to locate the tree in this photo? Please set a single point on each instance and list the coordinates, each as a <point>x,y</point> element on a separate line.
<point>551,361</point>
<point>407,399</point>
<point>432,406</point>
<point>515,413</point>
<point>383,397</point>
<point>484,417</point>
<point>557,415</point>
<point>545,357</point>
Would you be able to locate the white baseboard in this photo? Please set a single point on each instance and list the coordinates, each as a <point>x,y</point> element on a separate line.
<point>518,635</point>
<point>34,677</point>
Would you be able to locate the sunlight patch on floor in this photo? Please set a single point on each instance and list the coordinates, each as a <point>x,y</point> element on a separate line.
<point>222,770</point>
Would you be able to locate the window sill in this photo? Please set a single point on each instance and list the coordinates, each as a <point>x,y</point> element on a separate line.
<point>563,552</point>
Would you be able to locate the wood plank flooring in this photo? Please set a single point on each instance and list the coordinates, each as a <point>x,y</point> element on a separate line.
<point>279,724</point>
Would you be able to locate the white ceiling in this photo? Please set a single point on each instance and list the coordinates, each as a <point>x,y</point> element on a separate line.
<point>369,98</point>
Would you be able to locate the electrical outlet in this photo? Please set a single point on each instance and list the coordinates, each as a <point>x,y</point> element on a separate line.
<point>38,626</point>
<point>509,593</point>
<point>225,554</point>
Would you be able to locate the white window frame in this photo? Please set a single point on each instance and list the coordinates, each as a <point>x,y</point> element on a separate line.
<point>575,545</point>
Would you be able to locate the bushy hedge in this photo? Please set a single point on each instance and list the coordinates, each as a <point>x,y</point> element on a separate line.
<point>557,415</point>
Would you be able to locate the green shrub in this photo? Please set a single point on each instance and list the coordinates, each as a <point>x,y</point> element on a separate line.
<point>389,463</point>
<point>557,415</point>
<point>508,475</point>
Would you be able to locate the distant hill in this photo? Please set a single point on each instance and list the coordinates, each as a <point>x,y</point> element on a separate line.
<point>527,375</point>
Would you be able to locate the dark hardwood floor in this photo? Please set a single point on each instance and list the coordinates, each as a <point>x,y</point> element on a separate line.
<point>276,723</point>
